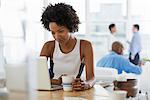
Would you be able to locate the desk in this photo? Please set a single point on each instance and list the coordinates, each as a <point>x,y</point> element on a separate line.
<point>95,93</point>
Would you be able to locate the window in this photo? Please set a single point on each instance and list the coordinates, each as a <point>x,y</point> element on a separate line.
<point>141,16</point>
<point>101,14</point>
<point>21,27</point>
<point>24,26</point>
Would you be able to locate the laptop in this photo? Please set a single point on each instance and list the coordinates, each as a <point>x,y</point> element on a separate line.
<point>43,78</point>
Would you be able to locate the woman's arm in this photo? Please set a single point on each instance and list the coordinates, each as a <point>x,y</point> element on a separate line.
<point>87,51</point>
<point>88,55</point>
<point>47,51</point>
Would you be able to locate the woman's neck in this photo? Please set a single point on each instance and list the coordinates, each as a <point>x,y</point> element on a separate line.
<point>69,45</point>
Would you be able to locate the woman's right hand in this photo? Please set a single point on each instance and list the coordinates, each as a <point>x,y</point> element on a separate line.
<point>60,79</point>
<point>57,81</point>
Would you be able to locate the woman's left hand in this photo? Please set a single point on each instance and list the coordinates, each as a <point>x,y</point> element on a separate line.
<point>79,85</point>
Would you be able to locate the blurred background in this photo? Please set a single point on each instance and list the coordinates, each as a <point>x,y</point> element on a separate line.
<point>21,32</point>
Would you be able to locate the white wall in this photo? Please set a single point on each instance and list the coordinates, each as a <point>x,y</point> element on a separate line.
<point>1,52</point>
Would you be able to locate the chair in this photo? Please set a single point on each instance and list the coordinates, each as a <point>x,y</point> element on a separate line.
<point>103,74</point>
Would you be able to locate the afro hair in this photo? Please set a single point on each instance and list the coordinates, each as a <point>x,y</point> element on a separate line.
<point>62,14</point>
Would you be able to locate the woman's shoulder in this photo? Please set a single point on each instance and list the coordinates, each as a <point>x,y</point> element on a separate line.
<point>49,43</point>
<point>85,46</point>
<point>48,48</point>
<point>85,42</point>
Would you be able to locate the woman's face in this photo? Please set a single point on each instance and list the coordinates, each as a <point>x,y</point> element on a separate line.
<point>60,33</point>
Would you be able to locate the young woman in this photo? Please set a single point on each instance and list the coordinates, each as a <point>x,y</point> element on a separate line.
<point>66,51</point>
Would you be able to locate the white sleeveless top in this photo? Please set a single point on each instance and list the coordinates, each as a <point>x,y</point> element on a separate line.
<point>66,63</point>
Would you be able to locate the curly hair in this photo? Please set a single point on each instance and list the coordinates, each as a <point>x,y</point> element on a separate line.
<point>62,14</point>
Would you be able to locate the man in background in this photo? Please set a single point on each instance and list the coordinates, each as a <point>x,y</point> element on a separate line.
<point>111,37</point>
<point>115,59</point>
<point>135,45</point>
<point>113,29</point>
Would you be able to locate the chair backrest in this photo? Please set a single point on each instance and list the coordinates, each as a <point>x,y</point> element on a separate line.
<point>105,74</point>
<point>106,71</point>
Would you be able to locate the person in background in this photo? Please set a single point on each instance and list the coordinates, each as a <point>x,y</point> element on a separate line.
<point>66,51</point>
<point>113,29</point>
<point>115,59</point>
<point>111,37</point>
<point>135,45</point>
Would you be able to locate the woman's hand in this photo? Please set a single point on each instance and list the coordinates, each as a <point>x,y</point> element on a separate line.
<point>60,78</point>
<point>57,81</point>
<point>79,85</point>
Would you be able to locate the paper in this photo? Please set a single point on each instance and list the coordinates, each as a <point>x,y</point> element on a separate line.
<point>74,98</point>
<point>100,91</point>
